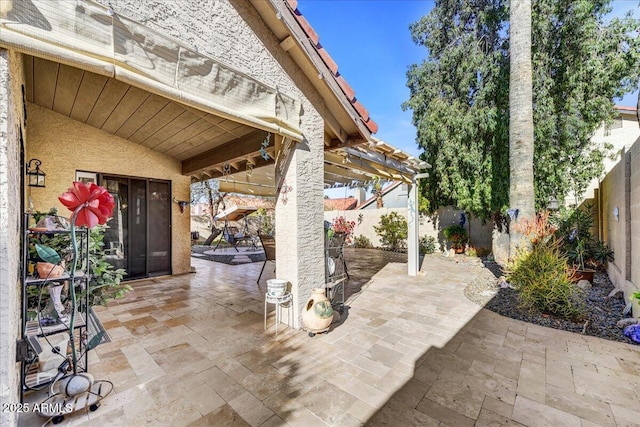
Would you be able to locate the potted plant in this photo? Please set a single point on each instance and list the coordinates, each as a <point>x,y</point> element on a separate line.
<point>457,235</point>
<point>582,250</point>
<point>578,254</point>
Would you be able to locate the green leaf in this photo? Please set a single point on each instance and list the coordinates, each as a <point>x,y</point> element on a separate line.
<point>48,254</point>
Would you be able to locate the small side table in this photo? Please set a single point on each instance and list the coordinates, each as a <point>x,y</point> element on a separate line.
<point>283,300</point>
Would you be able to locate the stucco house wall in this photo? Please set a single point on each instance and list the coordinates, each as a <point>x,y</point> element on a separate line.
<point>11,123</point>
<point>621,135</point>
<point>65,145</point>
<point>233,33</point>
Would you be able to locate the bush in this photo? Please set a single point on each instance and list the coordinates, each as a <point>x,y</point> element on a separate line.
<point>456,234</point>
<point>106,281</point>
<point>542,280</point>
<point>392,230</point>
<point>362,242</point>
<point>427,244</point>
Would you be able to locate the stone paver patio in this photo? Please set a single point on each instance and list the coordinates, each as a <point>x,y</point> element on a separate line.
<point>191,350</point>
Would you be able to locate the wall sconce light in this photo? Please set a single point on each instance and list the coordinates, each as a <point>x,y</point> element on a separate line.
<point>616,213</point>
<point>182,203</point>
<point>35,177</point>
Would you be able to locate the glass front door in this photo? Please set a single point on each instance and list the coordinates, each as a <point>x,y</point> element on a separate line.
<point>139,235</point>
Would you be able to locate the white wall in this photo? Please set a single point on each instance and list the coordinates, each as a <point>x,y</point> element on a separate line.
<point>11,122</point>
<point>366,219</point>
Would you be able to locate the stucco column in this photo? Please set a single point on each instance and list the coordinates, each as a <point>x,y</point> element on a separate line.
<point>11,123</point>
<point>299,215</point>
<point>413,228</point>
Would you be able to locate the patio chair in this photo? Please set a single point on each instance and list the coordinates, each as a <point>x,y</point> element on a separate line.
<point>269,245</point>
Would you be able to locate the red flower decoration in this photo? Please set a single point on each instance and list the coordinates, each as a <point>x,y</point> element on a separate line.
<point>93,203</point>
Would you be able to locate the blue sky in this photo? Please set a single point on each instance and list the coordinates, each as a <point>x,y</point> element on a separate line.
<point>371,43</point>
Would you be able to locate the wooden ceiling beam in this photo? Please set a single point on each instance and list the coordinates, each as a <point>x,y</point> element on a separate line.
<point>251,189</point>
<point>233,151</point>
<point>351,141</point>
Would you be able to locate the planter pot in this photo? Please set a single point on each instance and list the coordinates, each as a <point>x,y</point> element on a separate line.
<point>586,274</point>
<point>48,270</point>
<point>317,314</point>
<point>276,287</point>
<point>459,250</point>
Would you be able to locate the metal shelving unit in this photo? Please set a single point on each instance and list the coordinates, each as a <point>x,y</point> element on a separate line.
<point>32,330</point>
<point>335,269</point>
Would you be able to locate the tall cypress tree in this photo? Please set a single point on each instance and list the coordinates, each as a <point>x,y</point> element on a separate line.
<point>459,96</point>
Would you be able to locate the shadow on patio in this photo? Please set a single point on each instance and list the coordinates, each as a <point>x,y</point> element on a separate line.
<point>191,350</point>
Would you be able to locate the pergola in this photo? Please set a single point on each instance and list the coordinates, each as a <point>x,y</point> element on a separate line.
<point>356,165</point>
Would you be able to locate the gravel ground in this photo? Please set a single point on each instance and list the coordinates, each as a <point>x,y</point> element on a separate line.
<point>602,312</point>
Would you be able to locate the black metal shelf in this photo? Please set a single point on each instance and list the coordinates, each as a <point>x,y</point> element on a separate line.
<point>34,329</point>
<point>31,378</point>
<point>36,281</point>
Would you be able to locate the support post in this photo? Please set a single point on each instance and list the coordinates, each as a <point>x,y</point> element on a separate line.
<point>413,228</point>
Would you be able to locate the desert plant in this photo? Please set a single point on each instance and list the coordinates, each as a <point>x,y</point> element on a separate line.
<point>362,242</point>
<point>543,282</point>
<point>392,230</point>
<point>427,244</point>
<point>574,232</point>
<point>602,253</point>
<point>472,252</point>
<point>538,230</point>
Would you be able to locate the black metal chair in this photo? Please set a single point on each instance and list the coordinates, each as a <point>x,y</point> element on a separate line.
<point>269,246</point>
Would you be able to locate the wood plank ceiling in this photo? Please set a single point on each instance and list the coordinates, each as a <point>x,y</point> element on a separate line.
<point>208,146</point>
<point>141,117</point>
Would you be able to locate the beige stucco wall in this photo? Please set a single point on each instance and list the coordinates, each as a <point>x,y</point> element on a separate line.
<point>11,121</point>
<point>65,145</point>
<point>232,32</point>
<point>620,137</point>
<point>620,190</point>
<point>612,190</point>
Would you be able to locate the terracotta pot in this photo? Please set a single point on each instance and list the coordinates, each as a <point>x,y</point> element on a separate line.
<point>459,249</point>
<point>586,274</point>
<point>46,270</point>
<point>317,314</point>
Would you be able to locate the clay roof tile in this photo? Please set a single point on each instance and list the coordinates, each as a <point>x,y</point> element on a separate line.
<point>333,66</point>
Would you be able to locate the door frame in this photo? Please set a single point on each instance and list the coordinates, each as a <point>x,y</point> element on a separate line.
<point>101,177</point>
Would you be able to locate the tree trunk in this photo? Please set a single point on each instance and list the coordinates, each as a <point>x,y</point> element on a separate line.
<point>377,192</point>
<point>215,199</point>
<point>521,191</point>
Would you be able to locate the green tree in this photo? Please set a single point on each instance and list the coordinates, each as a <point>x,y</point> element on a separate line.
<point>581,64</point>
<point>459,100</point>
<point>460,96</point>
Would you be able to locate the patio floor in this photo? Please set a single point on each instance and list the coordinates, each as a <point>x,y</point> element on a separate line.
<point>191,350</point>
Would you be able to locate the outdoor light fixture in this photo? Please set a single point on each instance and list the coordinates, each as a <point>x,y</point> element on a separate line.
<point>35,176</point>
<point>553,204</point>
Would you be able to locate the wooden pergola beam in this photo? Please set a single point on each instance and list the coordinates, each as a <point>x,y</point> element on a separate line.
<point>235,151</point>
<point>351,141</point>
